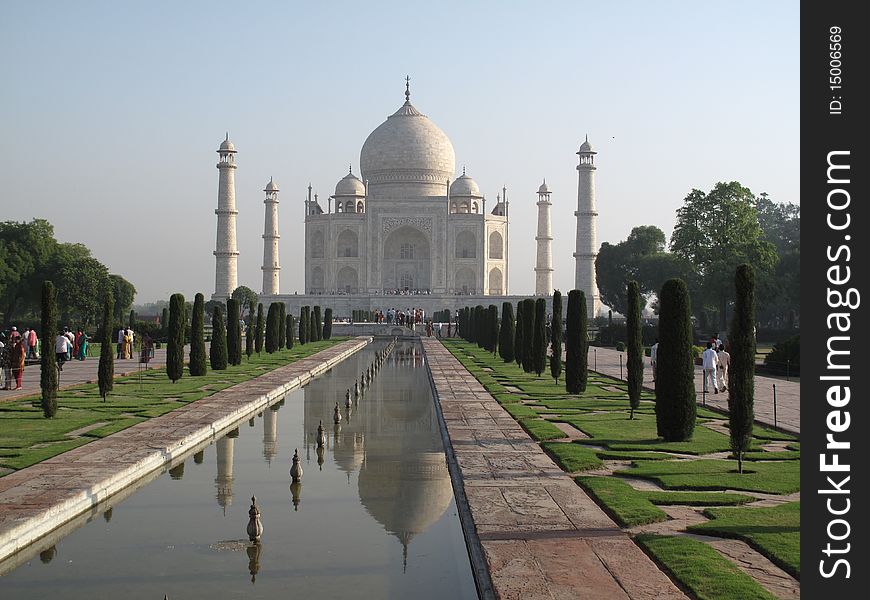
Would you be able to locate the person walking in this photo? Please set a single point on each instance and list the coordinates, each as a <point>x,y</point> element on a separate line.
<point>83,341</point>
<point>709,363</point>
<point>25,342</point>
<point>17,362</point>
<point>33,344</point>
<point>724,362</point>
<point>62,347</point>
<point>5,362</point>
<point>127,351</point>
<point>653,357</point>
<point>120,341</point>
<point>67,332</point>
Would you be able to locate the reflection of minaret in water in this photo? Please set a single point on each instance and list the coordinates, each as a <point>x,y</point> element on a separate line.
<point>270,433</point>
<point>224,478</point>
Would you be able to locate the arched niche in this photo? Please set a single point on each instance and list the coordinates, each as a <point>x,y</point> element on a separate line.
<point>496,245</point>
<point>466,245</point>
<point>347,245</point>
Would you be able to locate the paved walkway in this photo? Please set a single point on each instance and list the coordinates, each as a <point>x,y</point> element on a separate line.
<point>76,372</point>
<point>38,499</point>
<point>788,393</point>
<point>541,536</point>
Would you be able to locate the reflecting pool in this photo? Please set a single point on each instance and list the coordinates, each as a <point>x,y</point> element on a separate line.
<point>373,516</point>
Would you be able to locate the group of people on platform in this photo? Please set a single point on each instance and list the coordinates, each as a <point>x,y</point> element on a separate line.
<point>715,361</point>
<point>17,348</point>
<point>125,342</point>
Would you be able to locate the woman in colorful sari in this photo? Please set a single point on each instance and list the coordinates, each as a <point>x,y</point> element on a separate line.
<point>82,341</point>
<point>127,348</point>
<point>75,342</point>
<point>17,359</point>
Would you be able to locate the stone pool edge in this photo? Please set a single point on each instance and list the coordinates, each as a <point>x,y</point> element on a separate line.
<point>39,499</point>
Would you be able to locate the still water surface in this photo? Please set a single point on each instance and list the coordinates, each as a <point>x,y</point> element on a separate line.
<point>374,515</point>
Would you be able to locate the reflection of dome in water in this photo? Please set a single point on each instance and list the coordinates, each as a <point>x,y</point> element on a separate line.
<point>349,451</point>
<point>406,496</point>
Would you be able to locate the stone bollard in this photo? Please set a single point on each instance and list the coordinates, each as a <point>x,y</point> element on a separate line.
<point>296,493</point>
<point>296,469</point>
<point>321,436</point>
<point>255,526</point>
<point>336,414</point>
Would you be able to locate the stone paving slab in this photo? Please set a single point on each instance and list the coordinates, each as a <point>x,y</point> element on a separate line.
<point>540,535</point>
<point>36,500</point>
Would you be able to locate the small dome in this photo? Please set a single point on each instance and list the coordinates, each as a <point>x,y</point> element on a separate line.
<point>271,186</point>
<point>586,148</point>
<point>227,145</point>
<point>350,185</point>
<point>544,189</point>
<point>464,186</point>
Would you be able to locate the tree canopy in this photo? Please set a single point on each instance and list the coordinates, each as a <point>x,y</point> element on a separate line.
<point>245,296</point>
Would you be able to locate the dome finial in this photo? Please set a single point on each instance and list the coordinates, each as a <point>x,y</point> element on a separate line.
<point>407,88</point>
<point>226,139</point>
<point>350,169</point>
<point>463,169</point>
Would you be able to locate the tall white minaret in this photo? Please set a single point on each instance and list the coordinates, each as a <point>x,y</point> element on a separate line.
<point>270,267</point>
<point>544,264</point>
<point>587,245</point>
<point>226,278</point>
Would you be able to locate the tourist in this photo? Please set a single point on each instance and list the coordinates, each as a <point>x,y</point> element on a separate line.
<point>724,362</point>
<point>67,332</point>
<point>14,335</point>
<point>25,342</point>
<point>62,347</point>
<point>127,350</point>
<point>82,341</point>
<point>33,344</point>
<point>709,364</point>
<point>120,341</point>
<point>653,353</point>
<point>5,362</point>
<point>16,359</point>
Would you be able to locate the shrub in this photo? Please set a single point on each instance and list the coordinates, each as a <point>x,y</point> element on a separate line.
<point>506,333</point>
<point>520,335</point>
<point>529,334</point>
<point>291,330</point>
<point>675,372</point>
<point>317,326</point>
<point>539,339</point>
<point>271,341</point>
<point>576,343</point>
<point>234,333</point>
<point>106,369</point>
<point>48,374</point>
<point>785,358</point>
<point>492,328</point>
<point>620,347</point>
<point>634,362</point>
<point>281,326</point>
<point>218,349</point>
<point>327,324</point>
<point>250,331</point>
<point>556,335</point>
<point>175,345</point>
<point>260,331</point>
<point>741,375</point>
<point>197,340</point>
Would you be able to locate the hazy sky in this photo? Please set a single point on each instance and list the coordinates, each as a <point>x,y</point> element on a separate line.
<point>111,114</point>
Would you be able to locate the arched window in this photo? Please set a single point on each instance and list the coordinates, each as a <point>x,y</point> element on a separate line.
<point>317,245</point>
<point>406,251</point>
<point>466,245</point>
<point>496,245</point>
<point>347,244</point>
<point>360,207</point>
<point>474,207</point>
<point>495,282</point>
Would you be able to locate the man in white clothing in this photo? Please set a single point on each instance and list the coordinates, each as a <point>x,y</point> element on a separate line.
<point>709,363</point>
<point>653,355</point>
<point>724,361</point>
<point>62,346</point>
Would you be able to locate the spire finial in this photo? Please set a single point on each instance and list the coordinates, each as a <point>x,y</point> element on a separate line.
<point>463,169</point>
<point>226,139</point>
<point>407,88</point>
<point>350,169</point>
<point>587,137</point>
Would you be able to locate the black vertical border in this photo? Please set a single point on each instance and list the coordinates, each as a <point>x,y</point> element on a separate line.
<point>822,133</point>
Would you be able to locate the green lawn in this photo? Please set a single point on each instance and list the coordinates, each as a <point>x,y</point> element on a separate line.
<point>26,437</point>
<point>626,505</point>
<point>774,531</point>
<point>779,477</point>
<point>572,457</point>
<point>708,574</point>
<point>541,430</point>
<point>696,498</point>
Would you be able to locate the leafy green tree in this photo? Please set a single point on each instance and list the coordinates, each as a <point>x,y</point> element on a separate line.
<point>529,334</point>
<point>131,321</point>
<point>234,333</point>
<point>282,325</point>
<point>556,337</point>
<point>25,250</point>
<point>327,324</point>
<point>741,375</point>
<point>124,293</point>
<point>272,324</point>
<point>778,295</point>
<point>634,337</point>
<point>83,280</point>
<point>317,329</point>
<point>246,296</point>
<point>106,368</point>
<point>716,232</point>
<point>675,371</point>
<point>48,375</point>
<point>250,331</point>
<point>197,364</point>
<point>260,330</point>
<point>539,339</point>
<point>291,330</point>
<point>175,346</point>
<point>217,352</point>
<point>506,333</point>
<point>520,335</point>
<point>575,343</point>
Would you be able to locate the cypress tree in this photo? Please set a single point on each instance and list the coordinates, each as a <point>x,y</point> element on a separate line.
<point>492,328</point>
<point>575,343</point>
<point>271,328</point>
<point>260,331</point>
<point>218,349</point>
<point>520,335</point>
<point>312,327</point>
<point>327,324</point>
<point>164,322</point>
<point>250,331</point>
<point>479,326</point>
<point>556,336</point>
<point>506,333</point>
<point>282,325</point>
<point>197,337</point>
<point>741,373</point>
<point>132,319</point>
<point>675,372</point>
<point>634,339</point>
<point>317,333</point>
<point>291,331</point>
<point>303,325</point>
<point>466,324</point>
<point>175,346</point>
<point>234,333</point>
<point>539,339</point>
<point>106,369</point>
<point>48,375</point>
<point>529,334</point>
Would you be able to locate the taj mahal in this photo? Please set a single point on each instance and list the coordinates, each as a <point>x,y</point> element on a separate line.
<point>405,226</point>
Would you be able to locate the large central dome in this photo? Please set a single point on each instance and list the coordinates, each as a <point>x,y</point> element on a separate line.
<point>407,155</point>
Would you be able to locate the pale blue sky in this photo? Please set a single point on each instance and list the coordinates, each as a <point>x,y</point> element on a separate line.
<point>112,112</point>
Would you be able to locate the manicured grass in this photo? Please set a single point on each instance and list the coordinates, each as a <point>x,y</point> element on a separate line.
<point>780,477</point>
<point>774,531</point>
<point>708,574</point>
<point>617,432</point>
<point>519,411</point>
<point>625,455</point>
<point>22,425</point>
<point>696,498</point>
<point>768,433</point>
<point>541,430</point>
<point>625,504</point>
<point>572,457</point>
<point>783,455</point>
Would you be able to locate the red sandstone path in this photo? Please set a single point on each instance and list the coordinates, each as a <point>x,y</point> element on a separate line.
<point>538,532</point>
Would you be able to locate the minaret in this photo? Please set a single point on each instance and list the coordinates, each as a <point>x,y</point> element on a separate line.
<point>226,253</point>
<point>587,245</point>
<point>270,267</point>
<point>544,264</point>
